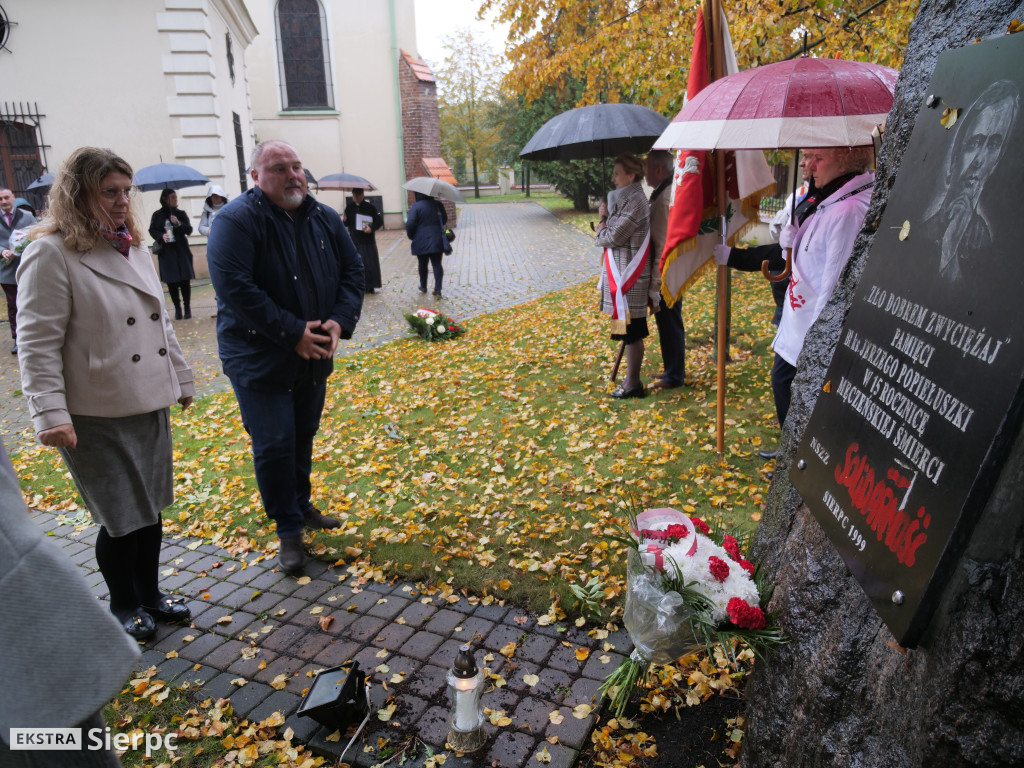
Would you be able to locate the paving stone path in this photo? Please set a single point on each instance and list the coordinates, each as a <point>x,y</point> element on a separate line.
<point>505,254</point>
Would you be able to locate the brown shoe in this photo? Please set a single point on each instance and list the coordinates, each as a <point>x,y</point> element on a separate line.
<point>664,384</point>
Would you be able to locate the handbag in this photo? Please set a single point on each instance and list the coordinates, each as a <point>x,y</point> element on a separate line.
<point>446,243</point>
<point>158,245</point>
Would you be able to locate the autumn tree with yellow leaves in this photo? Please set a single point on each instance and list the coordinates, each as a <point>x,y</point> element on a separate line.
<point>638,51</point>
<point>468,100</point>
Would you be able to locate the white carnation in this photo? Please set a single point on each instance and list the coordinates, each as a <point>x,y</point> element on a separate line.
<point>695,568</point>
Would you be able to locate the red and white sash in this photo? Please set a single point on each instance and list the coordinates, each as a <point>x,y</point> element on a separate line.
<point>619,285</point>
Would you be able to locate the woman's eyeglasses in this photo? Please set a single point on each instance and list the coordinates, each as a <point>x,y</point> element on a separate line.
<point>116,193</point>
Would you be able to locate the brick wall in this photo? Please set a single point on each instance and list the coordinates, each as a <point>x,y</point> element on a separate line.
<point>421,127</point>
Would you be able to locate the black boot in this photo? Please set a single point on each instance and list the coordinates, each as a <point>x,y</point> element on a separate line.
<point>291,556</point>
<point>186,298</point>
<point>172,288</point>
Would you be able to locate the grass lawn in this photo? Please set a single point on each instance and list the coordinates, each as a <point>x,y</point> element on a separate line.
<point>494,462</point>
<point>493,465</point>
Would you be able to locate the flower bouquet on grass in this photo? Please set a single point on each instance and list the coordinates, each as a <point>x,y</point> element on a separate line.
<point>433,326</point>
<point>688,587</point>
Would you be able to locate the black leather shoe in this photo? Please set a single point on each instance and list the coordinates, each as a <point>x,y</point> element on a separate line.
<point>768,455</point>
<point>169,609</point>
<point>317,521</point>
<point>291,555</point>
<point>622,393</point>
<point>138,624</point>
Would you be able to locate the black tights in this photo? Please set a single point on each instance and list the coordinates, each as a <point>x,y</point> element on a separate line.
<point>185,287</point>
<point>130,566</point>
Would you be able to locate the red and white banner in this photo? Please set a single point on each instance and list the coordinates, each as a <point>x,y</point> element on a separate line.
<point>692,221</point>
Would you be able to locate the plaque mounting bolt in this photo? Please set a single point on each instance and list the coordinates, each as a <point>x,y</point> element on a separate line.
<point>801,464</point>
<point>932,100</point>
<point>898,597</point>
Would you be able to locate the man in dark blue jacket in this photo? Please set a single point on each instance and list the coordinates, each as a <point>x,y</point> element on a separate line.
<point>289,284</point>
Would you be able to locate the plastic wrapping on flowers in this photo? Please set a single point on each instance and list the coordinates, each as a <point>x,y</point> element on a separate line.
<point>687,588</point>
<point>659,622</point>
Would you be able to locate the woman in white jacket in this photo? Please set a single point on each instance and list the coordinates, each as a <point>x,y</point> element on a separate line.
<point>821,245</point>
<point>215,200</point>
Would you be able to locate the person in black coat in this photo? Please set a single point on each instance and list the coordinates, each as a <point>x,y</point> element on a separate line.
<point>425,227</point>
<point>363,237</point>
<point>174,255</point>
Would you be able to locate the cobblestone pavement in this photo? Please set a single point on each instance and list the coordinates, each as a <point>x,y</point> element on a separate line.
<point>253,623</point>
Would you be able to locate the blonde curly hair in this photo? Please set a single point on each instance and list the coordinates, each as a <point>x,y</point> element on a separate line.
<point>72,212</point>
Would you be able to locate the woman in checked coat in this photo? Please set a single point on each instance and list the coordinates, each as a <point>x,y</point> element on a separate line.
<point>629,279</point>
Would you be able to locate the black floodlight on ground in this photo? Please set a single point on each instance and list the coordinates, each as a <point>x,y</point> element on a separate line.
<point>337,698</point>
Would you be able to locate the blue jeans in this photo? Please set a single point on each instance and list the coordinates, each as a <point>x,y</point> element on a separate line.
<point>672,335</point>
<point>282,426</point>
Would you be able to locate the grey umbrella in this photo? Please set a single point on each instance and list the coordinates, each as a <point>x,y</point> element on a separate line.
<point>345,181</point>
<point>168,176</point>
<point>428,185</point>
<point>601,130</point>
<point>43,182</point>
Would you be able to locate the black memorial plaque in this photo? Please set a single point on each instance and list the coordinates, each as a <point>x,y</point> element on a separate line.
<point>924,393</point>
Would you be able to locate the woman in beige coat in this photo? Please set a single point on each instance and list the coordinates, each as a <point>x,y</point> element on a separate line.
<point>100,366</point>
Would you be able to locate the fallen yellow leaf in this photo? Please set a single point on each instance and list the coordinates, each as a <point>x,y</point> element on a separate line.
<point>279,682</point>
<point>531,680</point>
<point>543,756</point>
<point>581,711</point>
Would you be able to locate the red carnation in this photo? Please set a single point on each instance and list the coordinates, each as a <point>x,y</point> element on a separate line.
<point>730,545</point>
<point>718,568</point>
<point>747,566</point>
<point>677,531</point>
<point>700,525</point>
<point>744,615</point>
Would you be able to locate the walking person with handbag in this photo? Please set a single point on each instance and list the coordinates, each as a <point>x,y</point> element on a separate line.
<point>426,228</point>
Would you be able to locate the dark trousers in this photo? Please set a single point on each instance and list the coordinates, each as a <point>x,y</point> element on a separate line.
<point>782,386</point>
<point>185,289</point>
<point>434,260</point>
<point>672,336</point>
<point>282,426</point>
<point>11,292</point>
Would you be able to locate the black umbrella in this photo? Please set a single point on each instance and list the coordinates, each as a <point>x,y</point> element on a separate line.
<point>601,130</point>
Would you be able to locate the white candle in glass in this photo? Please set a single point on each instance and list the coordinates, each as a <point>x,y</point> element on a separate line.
<point>465,714</point>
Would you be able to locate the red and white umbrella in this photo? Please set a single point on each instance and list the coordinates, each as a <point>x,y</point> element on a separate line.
<point>791,104</point>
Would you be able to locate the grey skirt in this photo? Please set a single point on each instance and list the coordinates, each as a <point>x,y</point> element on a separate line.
<point>122,467</point>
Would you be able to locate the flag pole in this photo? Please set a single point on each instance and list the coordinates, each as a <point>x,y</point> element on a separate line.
<point>718,71</point>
